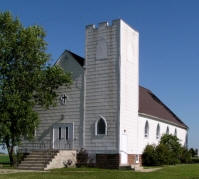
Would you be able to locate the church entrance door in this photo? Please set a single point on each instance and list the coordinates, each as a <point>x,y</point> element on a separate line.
<point>123,152</point>
<point>63,136</point>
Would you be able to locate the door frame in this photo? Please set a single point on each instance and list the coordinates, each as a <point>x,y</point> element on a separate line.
<point>63,125</point>
<point>124,152</point>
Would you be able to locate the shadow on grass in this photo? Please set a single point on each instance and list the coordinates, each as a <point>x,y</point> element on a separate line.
<point>5,161</point>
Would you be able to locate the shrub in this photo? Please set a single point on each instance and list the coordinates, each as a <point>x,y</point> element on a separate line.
<point>168,152</point>
<point>174,147</point>
<point>149,156</point>
<point>162,154</point>
<point>82,158</point>
<point>194,152</point>
<point>185,156</point>
<point>195,160</point>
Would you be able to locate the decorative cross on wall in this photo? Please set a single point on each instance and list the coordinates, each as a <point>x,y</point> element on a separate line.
<point>64,98</point>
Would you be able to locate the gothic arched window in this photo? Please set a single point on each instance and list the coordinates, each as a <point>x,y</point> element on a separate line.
<point>167,131</point>
<point>186,141</point>
<point>101,127</point>
<point>158,131</point>
<point>146,129</point>
<point>175,133</point>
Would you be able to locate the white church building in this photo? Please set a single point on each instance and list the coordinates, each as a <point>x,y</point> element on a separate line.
<point>105,111</point>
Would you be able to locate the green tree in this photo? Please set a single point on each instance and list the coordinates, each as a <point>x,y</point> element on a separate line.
<point>168,151</point>
<point>193,152</point>
<point>162,154</point>
<point>186,156</point>
<point>174,147</point>
<point>196,152</point>
<point>149,156</point>
<point>25,80</point>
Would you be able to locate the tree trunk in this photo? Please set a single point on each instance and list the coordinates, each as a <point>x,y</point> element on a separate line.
<point>11,158</point>
<point>11,155</point>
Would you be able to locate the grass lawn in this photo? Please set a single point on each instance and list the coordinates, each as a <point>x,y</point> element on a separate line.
<point>189,171</point>
<point>4,159</point>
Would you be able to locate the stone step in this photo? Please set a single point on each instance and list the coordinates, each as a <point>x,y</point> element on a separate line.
<point>40,160</point>
<point>37,159</point>
<point>31,168</point>
<point>136,167</point>
<point>41,155</point>
<point>32,165</point>
<point>47,150</point>
<point>44,152</point>
<point>38,155</point>
<point>32,162</point>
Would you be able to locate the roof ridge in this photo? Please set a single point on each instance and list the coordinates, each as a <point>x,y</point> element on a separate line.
<point>165,106</point>
<point>145,88</point>
<point>155,99</point>
<point>78,58</point>
<point>74,54</point>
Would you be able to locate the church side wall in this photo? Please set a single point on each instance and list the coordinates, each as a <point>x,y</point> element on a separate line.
<point>71,112</point>
<point>102,54</point>
<point>151,139</point>
<point>129,85</point>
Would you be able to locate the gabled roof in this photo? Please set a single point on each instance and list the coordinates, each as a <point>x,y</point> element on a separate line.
<point>151,105</point>
<point>79,59</point>
<point>76,57</point>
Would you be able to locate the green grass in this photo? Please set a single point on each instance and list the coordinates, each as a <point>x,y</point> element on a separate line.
<point>189,171</point>
<point>4,159</point>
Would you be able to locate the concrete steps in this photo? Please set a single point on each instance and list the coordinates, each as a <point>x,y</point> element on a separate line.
<point>125,167</point>
<point>136,167</point>
<point>37,160</point>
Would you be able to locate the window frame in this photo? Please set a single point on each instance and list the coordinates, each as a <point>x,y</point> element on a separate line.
<point>146,129</point>
<point>167,130</point>
<point>158,131</point>
<point>67,133</point>
<point>59,133</point>
<point>96,126</point>
<point>137,159</point>
<point>186,140</point>
<point>176,133</point>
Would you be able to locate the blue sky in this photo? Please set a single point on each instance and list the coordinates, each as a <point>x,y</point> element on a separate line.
<point>169,42</point>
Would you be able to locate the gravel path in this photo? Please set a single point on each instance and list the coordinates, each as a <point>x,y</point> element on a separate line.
<point>147,169</point>
<point>8,171</point>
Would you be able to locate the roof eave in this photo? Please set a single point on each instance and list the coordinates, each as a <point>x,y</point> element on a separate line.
<point>163,120</point>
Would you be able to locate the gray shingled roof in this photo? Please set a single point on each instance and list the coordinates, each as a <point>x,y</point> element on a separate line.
<point>79,59</point>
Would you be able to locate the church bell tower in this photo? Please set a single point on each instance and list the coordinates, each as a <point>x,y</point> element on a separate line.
<point>111,88</point>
